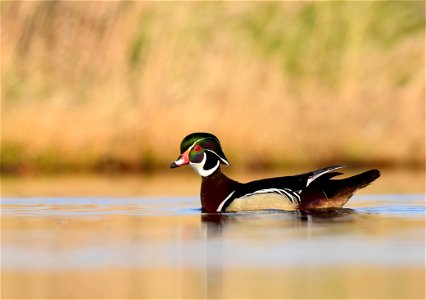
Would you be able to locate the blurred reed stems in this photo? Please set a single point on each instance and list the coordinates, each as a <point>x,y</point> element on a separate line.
<point>115,86</point>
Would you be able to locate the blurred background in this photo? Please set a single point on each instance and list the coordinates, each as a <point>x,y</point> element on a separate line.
<point>115,86</point>
<point>96,97</point>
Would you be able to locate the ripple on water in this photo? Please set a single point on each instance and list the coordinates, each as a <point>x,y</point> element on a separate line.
<point>68,206</point>
<point>87,235</point>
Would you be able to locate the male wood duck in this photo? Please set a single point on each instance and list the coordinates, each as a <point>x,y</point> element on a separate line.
<point>313,190</point>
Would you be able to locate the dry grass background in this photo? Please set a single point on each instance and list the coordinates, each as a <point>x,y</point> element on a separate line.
<point>117,85</point>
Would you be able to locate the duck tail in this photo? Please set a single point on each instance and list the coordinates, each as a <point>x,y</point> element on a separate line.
<point>334,193</point>
<point>362,180</point>
<point>339,191</point>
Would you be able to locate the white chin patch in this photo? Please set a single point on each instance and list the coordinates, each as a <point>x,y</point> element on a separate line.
<point>198,167</point>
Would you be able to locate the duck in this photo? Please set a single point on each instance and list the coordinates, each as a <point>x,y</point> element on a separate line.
<point>308,191</point>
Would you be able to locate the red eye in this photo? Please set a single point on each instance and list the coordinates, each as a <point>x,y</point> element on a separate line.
<point>197,148</point>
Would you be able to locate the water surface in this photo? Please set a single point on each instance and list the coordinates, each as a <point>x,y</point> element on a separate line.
<point>164,247</point>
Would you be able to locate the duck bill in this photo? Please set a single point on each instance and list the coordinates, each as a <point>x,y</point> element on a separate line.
<point>182,160</point>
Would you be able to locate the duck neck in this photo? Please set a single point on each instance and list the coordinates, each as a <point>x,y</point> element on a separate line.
<point>214,189</point>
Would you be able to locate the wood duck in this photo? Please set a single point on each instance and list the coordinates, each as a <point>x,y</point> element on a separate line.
<point>312,190</point>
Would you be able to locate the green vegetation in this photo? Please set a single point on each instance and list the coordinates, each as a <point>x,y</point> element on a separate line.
<point>115,86</point>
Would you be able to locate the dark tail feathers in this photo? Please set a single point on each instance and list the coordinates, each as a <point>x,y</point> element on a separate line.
<point>362,180</point>
<point>345,188</point>
<point>326,192</point>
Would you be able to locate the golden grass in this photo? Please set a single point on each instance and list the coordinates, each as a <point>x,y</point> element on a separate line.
<point>117,85</point>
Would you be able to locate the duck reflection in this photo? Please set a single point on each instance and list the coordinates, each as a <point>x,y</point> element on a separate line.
<point>216,220</point>
<point>220,228</point>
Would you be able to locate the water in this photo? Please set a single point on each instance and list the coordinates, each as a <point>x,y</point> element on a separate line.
<point>164,247</point>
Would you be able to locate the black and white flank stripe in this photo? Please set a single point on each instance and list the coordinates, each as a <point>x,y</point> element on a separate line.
<point>288,187</point>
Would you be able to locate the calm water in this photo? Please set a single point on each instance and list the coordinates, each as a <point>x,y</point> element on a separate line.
<point>164,247</point>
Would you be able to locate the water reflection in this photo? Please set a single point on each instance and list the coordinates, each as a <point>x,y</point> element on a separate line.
<point>307,243</point>
<point>166,248</point>
<point>292,217</point>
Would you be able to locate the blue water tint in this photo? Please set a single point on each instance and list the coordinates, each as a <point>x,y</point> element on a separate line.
<point>407,204</point>
<point>80,206</point>
<point>145,232</point>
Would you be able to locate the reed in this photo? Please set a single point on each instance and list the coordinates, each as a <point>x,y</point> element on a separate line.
<point>116,85</point>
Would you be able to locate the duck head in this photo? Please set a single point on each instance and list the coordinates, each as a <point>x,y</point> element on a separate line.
<point>202,151</point>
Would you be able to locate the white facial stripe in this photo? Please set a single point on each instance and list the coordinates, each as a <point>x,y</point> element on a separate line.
<point>198,167</point>
<point>190,148</point>
<point>224,161</point>
<point>180,161</point>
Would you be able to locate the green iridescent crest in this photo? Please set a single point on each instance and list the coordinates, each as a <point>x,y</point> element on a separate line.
<point>200,142</point>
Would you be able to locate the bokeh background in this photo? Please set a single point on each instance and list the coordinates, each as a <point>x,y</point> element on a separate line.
<point>96,97</point>
<point>115,86</point>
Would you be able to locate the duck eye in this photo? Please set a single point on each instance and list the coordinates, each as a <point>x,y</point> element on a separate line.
<point>197,148</point>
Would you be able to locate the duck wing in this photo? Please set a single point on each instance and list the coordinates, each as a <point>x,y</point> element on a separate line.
<point>289,186</point>
<point>295,182</point>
